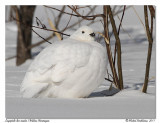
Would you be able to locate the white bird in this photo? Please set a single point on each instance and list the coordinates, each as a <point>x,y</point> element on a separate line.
<point>71,68</point>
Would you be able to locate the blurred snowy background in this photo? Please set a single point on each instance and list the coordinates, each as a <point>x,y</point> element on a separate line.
<point>129,103</point>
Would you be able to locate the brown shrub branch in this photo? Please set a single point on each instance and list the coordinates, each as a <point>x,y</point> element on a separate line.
<point>119,64</point>
<point>115,49</point>
<point>106,31</point>
<point>150,41</point>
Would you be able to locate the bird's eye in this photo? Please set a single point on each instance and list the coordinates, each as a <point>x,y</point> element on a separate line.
<point>82,32</point>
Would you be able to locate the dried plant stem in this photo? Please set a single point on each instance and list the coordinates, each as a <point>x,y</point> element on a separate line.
<point>151,25</point>
<point>106,40</point>
<point>115,49</point>
<point>68,22</point>
<point>115,78</point>
<point>108,80</point>
<point>152,11</point>
<point>150,41</point>
<point>41,36</point>
<point>40,42</point>
<point>92,9</point>
<point>138,17</point>
<point>51,30</point>
<point>12,57</point>
<point>118,48</point>
<point>92,17</point>
<point>59,17</point>
<point>129,35</point>
<point>53,26</point>
<point>140,20</point>
<point>18,21</point>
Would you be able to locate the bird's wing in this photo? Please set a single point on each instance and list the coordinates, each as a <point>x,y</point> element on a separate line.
<point>61,71</point>
<point>62,59</point>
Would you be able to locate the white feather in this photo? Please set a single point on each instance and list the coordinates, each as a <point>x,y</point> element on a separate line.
<point>71,68</point>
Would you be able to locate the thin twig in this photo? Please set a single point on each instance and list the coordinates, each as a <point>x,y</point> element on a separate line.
<point>37,20</point>
<point>77,14</point>
<point>51,30</point>
<point>68,22</point>
<point>119,64</point>
<point>93,22</point>
<point>81,19</point>
<point>41,36</point>
<point>88,6</point>
<point>109,80</point>
<point>121,19</point>
<point>40,42</point>
<point>43,28</point>
<point>152,25</point>
<point>126,31</point>
<point>116,13</point>
<point>138,17</point>
<point>61,11</point>
<point>10,58</point>
<point>115,49</point>
<point>53,26</point>
<point>59,17</point>
<point>86,17</point>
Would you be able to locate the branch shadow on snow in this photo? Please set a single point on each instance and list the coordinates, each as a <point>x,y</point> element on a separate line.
<point>104,93</point>
<point>138,86</point>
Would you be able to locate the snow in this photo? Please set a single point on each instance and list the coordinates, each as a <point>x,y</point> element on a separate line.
<point>102,103</point>
<point>122,105</point>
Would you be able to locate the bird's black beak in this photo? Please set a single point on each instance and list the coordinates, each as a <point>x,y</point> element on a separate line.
<point>92,34</point>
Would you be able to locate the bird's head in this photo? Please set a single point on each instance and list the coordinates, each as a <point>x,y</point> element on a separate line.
<point>84,33</point>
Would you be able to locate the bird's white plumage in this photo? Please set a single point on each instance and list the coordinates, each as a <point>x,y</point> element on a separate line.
<point>71,68</point>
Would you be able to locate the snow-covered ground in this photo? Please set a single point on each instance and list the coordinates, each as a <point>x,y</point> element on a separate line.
<point>102,103</point>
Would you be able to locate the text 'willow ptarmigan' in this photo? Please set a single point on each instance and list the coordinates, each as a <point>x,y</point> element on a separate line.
<point>71,68</point>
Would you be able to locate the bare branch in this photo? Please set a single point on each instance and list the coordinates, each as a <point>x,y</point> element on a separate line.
<point>118,48</point>
<point>108,80</point>
<point>150,41</point>
<point>40,42</point>
<point>61,11</point>
<point>59,17</point>
<point>51,30</point>
<point>115,49</point>
<point>43,28</point>
<point>12,57</point>
<point>152,11</point>
<point>126,31</point>
<point>68,22</point>
<point>83,7</point>
<point>80,20</point>
<point>116,13</point>
<point>41,36</point>
<point>106,31</point>
<point>53,26</point>
<point>77,14</point>
<point>138,16</point>
<point>86,17</point>
<point>38,21</point>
